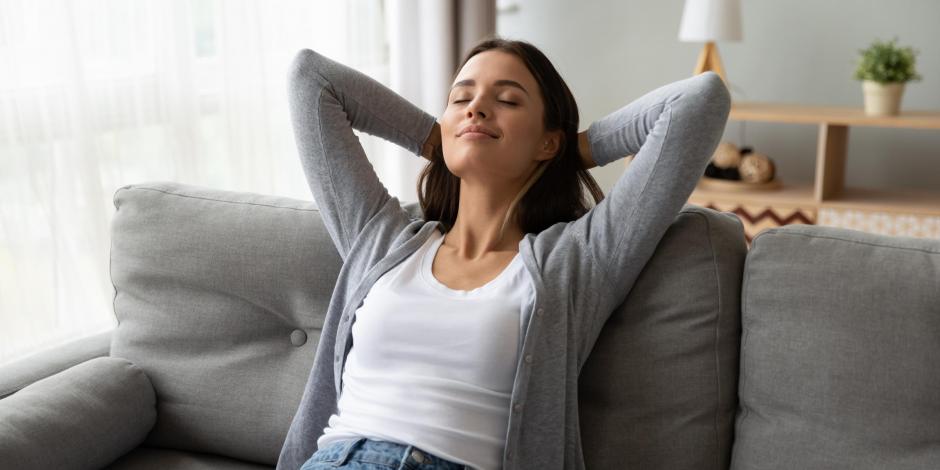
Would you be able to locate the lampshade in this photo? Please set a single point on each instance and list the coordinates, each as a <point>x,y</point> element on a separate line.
<point>710,20</point>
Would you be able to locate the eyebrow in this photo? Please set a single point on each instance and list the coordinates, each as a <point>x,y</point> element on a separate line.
<point>496,83</point>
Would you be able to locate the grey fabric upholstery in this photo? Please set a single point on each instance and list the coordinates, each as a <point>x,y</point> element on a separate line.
<point>83,417</point>
<point>149,458</point>
<point>659,390</point>
<point>198,301</point>
<point>840,351</point>
<point>19,373</point>
<point>220,297</point>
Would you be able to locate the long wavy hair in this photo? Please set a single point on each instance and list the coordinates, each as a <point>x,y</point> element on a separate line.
<point>554,192</point>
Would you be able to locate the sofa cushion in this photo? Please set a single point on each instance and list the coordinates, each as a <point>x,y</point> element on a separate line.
<point>220,297</point>
<point>83,417</point>
<point>148,458</point>
<point>658,390</point>
<point>840,351</point>
<point>21,372</point>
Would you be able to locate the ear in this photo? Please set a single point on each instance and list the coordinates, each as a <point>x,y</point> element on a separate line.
<point>550,144</point>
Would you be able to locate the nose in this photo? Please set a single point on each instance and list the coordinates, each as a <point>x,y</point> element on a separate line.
<point>474,107</point>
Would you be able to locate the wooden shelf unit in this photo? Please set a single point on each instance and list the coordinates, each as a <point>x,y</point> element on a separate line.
<point>827,193</point>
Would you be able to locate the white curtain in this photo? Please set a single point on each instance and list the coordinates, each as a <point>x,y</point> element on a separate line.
<point>96,94</point>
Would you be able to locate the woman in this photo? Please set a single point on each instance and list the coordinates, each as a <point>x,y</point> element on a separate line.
<point>455,340</point>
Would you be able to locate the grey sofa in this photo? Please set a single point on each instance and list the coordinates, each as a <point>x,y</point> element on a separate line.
<point>816,348</point>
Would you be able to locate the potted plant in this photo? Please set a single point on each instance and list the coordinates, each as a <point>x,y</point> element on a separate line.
<point>884,68</point>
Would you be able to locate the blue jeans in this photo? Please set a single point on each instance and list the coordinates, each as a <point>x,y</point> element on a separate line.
<point>369,454</point>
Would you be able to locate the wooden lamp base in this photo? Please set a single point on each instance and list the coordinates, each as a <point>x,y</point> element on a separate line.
<point>708,60</point>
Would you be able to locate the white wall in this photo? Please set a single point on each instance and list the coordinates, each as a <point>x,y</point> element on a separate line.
<point>795,51</point>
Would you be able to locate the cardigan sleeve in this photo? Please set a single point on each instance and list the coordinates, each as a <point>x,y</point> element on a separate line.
<point>327,100</point>
<point>672,132</point>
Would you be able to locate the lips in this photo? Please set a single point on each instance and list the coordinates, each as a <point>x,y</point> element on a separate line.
<point>478,128</point>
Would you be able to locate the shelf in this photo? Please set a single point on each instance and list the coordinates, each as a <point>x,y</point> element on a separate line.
<point>790,195</point>
<point>886,200</point>
<point>801,195</point>
<point>826,199</point>
<point>837,115</point>
<point>829,189</point>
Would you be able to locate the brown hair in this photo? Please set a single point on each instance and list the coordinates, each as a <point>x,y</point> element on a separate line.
<point>554,192</point>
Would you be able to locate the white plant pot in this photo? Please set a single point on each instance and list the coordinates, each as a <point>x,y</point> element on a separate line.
<point>882,99</point>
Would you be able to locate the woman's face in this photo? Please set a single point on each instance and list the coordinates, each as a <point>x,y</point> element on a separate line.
<point>495,90</point>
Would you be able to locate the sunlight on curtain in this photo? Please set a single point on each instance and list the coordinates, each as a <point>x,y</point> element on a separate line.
<point>97,94</point>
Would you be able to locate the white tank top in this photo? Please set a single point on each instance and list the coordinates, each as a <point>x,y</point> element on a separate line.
<point>433,366</point>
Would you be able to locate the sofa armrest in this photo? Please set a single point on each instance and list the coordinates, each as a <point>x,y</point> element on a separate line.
<point>22,372</point>
<point>84,417</point>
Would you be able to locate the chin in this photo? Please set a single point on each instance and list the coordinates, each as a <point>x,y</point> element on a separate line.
<point>485,166</point>
<point>461,156</point>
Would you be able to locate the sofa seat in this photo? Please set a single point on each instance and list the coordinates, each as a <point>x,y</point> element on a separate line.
<point>151,458</point>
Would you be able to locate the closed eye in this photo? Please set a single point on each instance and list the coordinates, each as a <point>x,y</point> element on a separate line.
<point>507,102</point>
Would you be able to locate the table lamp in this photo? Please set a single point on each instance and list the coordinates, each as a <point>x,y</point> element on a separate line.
<point>710,21</point>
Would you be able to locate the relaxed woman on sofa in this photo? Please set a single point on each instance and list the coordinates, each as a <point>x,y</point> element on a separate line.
<point>455,340</point>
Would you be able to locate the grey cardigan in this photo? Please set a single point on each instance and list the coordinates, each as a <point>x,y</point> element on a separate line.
<point>581,270</point>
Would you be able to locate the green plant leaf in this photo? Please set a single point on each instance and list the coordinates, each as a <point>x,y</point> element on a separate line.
<point>886,62</point>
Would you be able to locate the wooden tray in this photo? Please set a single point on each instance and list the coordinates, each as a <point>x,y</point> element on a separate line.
<point>718,184</point>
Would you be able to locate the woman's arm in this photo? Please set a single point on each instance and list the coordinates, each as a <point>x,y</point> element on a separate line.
<point>327,100</point>
<point>672,133</point>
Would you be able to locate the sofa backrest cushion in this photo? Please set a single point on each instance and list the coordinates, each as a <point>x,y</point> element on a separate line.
<point>220,297</point>
<point>658,390</point>
<point>840,351</point>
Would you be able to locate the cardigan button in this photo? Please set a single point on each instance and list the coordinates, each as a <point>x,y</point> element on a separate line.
<point>540,310</point>
<point>517,407</point>
<point>528,358</point>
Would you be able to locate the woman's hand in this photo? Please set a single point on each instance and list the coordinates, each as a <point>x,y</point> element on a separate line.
<point>434,141</point>
<point>584,147</point>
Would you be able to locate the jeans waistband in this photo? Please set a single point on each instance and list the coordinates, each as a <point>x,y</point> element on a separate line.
<point>388,453</point>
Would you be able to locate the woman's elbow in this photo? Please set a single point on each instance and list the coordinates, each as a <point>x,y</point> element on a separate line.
<point>306,67</point>
<point>712,93</point>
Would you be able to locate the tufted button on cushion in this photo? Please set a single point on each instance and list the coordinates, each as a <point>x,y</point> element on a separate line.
<point>298,337</point>
<point>229,239</point>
